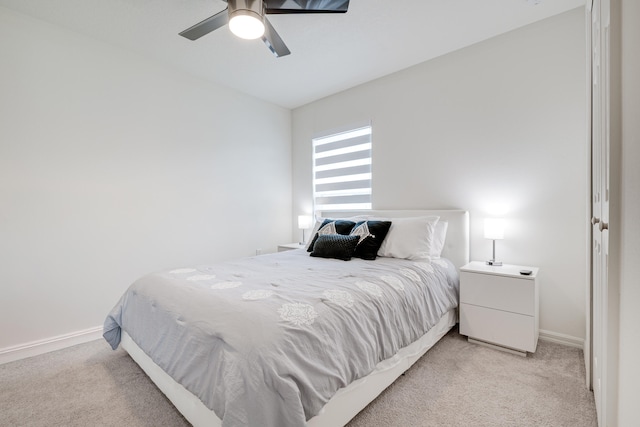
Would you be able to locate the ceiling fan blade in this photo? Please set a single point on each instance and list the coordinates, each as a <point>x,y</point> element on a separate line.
<point>208,25</point>
<point>273,41</point>
<point>306,6</point>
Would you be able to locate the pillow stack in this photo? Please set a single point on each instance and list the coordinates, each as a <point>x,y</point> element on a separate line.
<point>416,238</point>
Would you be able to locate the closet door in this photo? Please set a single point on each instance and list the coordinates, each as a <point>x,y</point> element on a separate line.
<point>600,133</point>
<point>588,342</point>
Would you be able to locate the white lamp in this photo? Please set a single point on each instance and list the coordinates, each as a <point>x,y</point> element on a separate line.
<point>246,18</point>
<point>304,222</point>
<point>494,230</point>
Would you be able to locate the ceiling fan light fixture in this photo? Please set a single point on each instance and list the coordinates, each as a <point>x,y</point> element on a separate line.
<point>246,26</point>
<point>246,18</point>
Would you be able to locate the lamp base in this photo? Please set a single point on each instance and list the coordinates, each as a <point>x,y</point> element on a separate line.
<point>494,263</point>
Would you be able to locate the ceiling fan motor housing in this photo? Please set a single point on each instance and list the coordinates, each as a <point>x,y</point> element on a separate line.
<point>253,8</point>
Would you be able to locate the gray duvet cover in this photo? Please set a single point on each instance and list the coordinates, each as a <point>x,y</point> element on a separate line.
<point>267,341</point>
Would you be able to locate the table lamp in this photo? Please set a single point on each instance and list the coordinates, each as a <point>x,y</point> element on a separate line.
<point>304,222</point>
<point>494,230</point>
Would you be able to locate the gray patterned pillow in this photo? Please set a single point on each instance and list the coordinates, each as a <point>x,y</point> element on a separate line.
<point>336,246</point>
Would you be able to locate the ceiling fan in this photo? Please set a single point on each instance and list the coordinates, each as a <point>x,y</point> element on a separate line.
<point>247,19</point>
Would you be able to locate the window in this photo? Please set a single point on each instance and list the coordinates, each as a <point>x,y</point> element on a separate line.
<point>342,170</point>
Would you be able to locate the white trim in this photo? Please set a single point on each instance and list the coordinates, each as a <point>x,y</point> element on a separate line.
<point>563,339</point>
<point>35,348</point>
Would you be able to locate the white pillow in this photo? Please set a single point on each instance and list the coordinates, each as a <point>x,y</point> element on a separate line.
<point>439,236</point>
<point>409,238</point>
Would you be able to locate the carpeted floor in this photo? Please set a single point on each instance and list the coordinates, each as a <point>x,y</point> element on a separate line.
<point>454,384</point>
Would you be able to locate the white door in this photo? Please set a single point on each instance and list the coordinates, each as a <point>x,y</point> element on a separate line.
<point>589,306</point>
<point>600,133</point>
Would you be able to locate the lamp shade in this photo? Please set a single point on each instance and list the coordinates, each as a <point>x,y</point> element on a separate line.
<point>494,228</point>
<point>304,222</point>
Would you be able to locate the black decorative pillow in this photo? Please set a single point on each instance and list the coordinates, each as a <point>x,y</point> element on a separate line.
<point>335,246</point>
<point>332,226</point>
<point>371,234</point>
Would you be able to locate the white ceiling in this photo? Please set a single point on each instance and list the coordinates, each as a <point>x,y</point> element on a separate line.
<point>329,53</point>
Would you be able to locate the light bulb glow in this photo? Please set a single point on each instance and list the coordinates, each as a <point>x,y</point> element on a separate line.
<point>246,26</point>
<point>304,221</point>
<point>494,228</point>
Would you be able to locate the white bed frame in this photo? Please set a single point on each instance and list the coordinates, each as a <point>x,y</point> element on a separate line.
<point>350,400</point>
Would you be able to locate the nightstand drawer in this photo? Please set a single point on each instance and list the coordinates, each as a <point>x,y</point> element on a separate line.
<point>499,327</point>
<point>500,292</point>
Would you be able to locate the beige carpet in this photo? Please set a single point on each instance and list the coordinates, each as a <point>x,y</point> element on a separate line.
<point>454,384</point>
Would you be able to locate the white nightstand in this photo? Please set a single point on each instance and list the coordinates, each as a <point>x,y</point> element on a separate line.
<point>290,246</point>
<point>499,306</point>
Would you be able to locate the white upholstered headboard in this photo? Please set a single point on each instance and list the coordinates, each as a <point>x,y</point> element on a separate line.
<point>456,247</point>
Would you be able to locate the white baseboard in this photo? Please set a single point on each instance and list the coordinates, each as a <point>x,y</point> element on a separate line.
<point>59,342</point>
<point>563,339</point>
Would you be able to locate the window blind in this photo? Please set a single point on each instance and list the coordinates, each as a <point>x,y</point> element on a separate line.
<point>342,170</point>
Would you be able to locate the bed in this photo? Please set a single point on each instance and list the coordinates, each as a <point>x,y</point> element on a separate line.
<point>290,339</point>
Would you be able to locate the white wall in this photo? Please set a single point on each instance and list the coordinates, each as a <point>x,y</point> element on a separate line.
<point>112,166</point>
<point>629,326</point>
<point>497,128</point>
